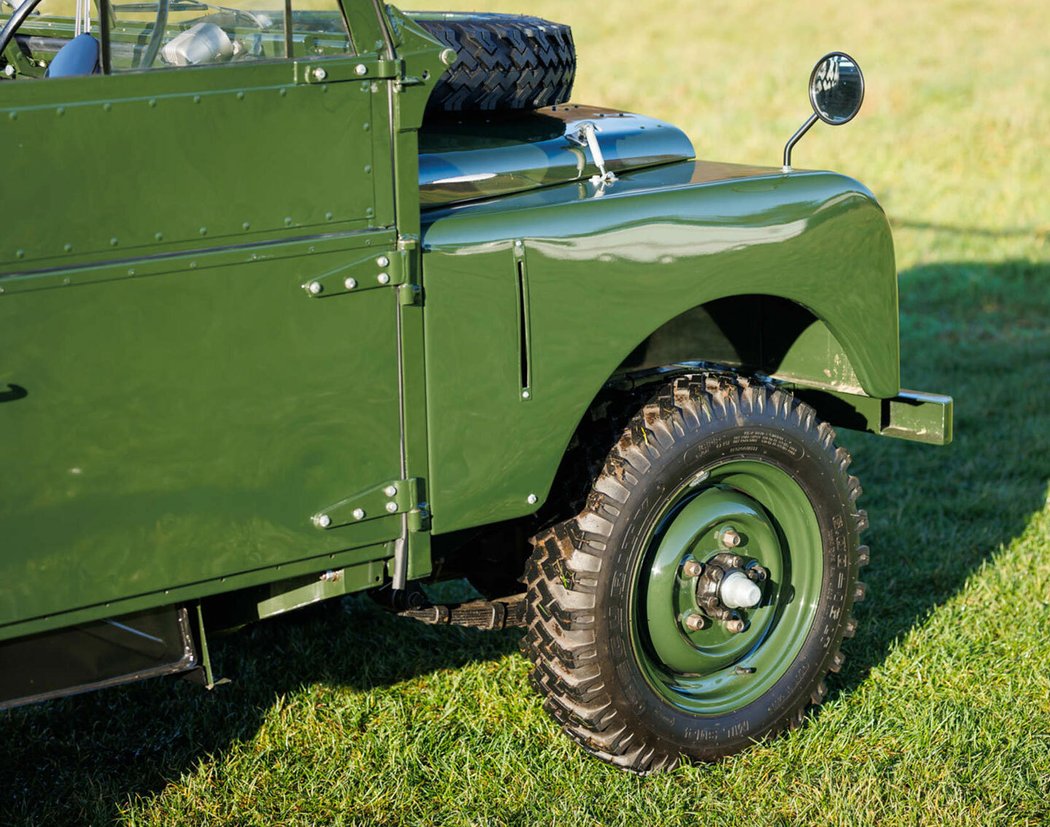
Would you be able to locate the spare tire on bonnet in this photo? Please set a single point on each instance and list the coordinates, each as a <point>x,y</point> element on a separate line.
<point>505,62</point>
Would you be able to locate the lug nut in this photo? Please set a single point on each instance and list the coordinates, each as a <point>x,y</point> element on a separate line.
<point>729,538</point>
<point>695,622</point>
<point>693,568</point>
<point>736,625</point>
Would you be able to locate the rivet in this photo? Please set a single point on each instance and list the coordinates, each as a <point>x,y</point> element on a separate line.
<point>369,212</point>
<point>366,126</point>
<point>368,169</point>
<point>526,395</point>
<point>314,287</point>
<point>319,73</point>
<point>113,242</point>
<point>158,236</point>
<point>20,253</point>
<point>323,520</point>
<point>532,499</point>
<point>287,221</point>
<point>240,96</point>
<point>12,116</point>
<point>361,69</point>
<point>203,230</point>
<point>152,103</point>
<point>391,507</point>
<point>328,216</point>
<point>131,271</point>
<point>390,491</point>
<point>68,248</point>
<point>359,513</point>
<point>283,92</point>
<point>60,111</point>
<point>350,282</point>
<point>382,261</point>
<point>517,243</point>
<point>383,278</point>
<point>196,98</point>
<point>247,225</point>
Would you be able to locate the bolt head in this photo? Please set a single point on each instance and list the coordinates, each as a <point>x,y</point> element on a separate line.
<point>694,622</point>
<point>382,261</point>
<point>320,73</point>
<point>323,520</point>
<point>736,625</point>
<point>391,507</point>
<point>532,499</point>
<point>729,537</point>
<point>525,395</point>
<point>350,283</point>
<point>315,288</point>
<point>361,69</point>
<point>359,513</point>
<point>390,490</point>
<point>693,568</point>
<point>383,278</point>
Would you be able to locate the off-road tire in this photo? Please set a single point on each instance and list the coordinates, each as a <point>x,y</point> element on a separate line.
<point>504,62</point>
<point>579,581</point>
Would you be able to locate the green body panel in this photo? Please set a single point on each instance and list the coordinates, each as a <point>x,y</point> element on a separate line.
<point>603,271</point>
<point>185,426</point>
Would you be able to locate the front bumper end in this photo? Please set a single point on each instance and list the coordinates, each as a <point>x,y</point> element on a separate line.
<point>912,415</point>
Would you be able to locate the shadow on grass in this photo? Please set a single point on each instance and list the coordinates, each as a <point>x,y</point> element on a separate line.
<point>976,331</point>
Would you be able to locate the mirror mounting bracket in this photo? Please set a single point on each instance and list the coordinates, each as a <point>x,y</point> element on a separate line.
<point>794,139</point>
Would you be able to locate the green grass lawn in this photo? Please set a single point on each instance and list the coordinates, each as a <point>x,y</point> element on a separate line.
<point>942,713</point>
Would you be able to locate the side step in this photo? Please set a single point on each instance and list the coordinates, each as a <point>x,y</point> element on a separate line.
<point>475,614</point>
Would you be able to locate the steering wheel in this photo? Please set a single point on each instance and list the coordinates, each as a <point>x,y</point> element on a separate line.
<point>7,34</point>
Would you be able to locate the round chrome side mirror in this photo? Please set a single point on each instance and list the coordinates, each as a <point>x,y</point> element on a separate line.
<point>836,91</point>
<point>836,88</point>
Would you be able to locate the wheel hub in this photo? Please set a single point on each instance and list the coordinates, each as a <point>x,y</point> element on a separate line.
<point>729,582</point>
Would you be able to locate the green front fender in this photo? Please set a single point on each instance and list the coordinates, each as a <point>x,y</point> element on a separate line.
<point>534,301</point>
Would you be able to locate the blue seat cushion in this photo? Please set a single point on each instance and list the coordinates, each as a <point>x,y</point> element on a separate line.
<point>80,56</point>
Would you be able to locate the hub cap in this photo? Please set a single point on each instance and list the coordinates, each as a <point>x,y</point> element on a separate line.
<point>753,531</point>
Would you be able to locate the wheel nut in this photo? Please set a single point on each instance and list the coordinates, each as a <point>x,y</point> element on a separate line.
<point>736,626</point>
<point>693,568</point>
<point>729,538</point>
<point>695,622</point>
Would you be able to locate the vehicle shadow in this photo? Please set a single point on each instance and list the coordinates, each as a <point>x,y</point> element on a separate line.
<point>979,332</point>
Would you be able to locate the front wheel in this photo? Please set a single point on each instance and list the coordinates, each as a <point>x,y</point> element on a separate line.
<point>698,601</point>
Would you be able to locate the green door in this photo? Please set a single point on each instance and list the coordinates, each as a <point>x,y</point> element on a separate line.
<point>176,403</point>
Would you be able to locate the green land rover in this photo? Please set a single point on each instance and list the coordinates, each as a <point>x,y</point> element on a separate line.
<point>305,300</point>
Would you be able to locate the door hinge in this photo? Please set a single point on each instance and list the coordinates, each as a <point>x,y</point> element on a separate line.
<point>381,268</point>
<point>383,500</point>
<point>329,70</point>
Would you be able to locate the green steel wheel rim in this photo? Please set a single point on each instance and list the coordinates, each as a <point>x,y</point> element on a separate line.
<point>713,671</point>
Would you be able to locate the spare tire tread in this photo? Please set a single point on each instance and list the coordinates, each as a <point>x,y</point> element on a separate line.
<point>504,62</point>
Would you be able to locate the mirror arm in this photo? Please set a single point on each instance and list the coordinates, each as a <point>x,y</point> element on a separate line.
<point>794,139</point>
